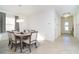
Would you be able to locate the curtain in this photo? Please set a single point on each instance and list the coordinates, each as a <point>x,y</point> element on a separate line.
<point>16,23</point>
<point>2,22</point>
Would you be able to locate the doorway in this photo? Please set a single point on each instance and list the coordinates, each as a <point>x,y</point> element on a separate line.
<point>67,26</point>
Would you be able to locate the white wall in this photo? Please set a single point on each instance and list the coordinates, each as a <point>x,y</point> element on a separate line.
<point>47,23</point>
<point>57,26</point>
<point>76,26</point>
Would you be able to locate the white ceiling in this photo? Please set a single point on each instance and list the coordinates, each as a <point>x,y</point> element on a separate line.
<point>32,9</point>
<point>62,9</point>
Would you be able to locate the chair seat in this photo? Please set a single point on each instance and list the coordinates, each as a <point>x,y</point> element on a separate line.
<point>27,41</point>
<point>16,41</point>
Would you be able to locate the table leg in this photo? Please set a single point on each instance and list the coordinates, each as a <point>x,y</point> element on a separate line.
<point>21,44</point>
<point>30,44</point>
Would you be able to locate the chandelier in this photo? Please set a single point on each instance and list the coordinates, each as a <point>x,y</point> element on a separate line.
<point>20,19</point>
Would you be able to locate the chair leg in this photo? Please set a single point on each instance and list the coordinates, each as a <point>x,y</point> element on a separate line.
<point>11,45</point>
<point>15,47</point>
<point>30,48</point>
<point>35,45</point>
<point>23,45</point>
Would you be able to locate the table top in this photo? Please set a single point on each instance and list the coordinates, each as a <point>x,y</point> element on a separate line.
<point>25,34</point>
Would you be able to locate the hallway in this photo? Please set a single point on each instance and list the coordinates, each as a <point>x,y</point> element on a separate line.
<point>64,44</point>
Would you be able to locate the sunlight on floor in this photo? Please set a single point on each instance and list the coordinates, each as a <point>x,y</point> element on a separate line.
<point>66,40</point>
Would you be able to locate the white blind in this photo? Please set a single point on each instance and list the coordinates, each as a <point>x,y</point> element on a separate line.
<point>10,23</point>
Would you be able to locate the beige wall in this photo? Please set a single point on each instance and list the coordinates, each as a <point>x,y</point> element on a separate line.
<point>70,20</point>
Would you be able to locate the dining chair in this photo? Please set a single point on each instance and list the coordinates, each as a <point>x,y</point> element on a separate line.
<point>14,41</point>
<point>9,37</point>
<point>15,31</point>
<point>32,39</point>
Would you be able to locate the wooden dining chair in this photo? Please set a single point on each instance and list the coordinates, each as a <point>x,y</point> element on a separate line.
<point>15,31</point>
<point>9,37</point>
<point>32,39</point>
<point>14,41</point>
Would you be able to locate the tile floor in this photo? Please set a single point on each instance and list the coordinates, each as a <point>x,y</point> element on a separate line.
<point>65,44</point>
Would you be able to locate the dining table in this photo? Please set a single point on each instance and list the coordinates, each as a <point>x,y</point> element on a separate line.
<point>21,36</point>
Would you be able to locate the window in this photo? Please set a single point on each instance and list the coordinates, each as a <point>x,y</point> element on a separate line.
<point>10,23</point>
<point>67,28</point>
<point>66,25</point>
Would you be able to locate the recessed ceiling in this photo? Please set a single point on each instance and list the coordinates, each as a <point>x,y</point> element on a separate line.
<point>32,9</point>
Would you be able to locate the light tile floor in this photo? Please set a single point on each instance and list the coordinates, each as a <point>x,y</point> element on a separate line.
<point>65,44</point>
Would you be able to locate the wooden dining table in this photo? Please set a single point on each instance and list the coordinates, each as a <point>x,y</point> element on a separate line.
<point>21,36</point>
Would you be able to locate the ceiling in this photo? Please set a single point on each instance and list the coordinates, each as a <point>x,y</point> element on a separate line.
<point>32,9</point>
<point>66,9</point>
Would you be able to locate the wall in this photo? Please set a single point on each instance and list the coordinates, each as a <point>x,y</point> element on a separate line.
<point>76,26</point>
<point>47,23</point>
<point>57,26</point>
<point>76,23</point>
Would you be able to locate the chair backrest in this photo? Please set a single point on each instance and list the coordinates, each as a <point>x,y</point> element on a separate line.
<point>26,31</point>
<point>15,32</point>
<point>12,36</point>
<point>34,36</point>
<point>9,34</point>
